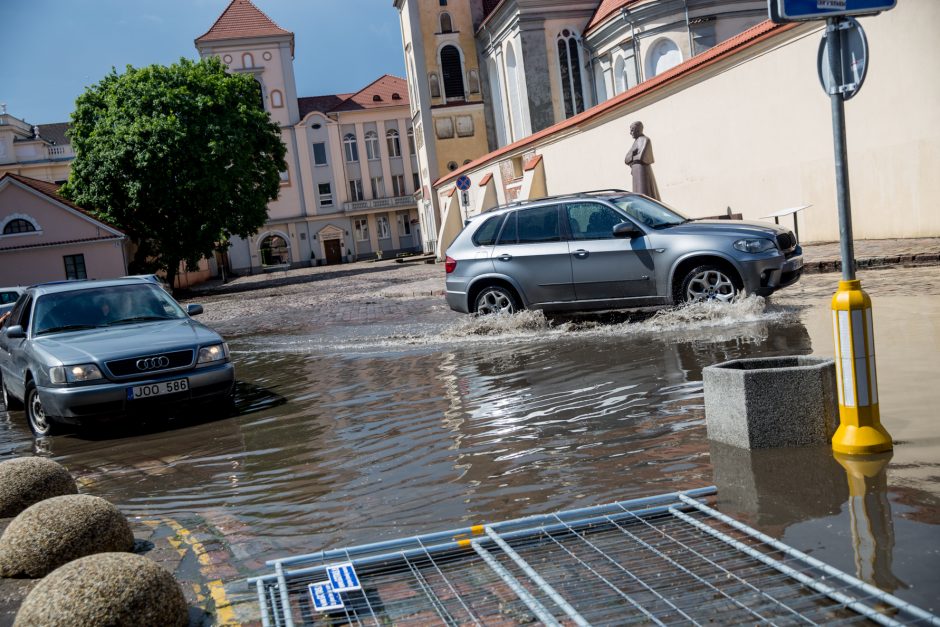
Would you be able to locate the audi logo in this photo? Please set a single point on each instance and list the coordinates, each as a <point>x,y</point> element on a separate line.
<point>153,363</point>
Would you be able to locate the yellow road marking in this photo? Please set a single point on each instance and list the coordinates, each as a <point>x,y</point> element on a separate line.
<point>225,614</point>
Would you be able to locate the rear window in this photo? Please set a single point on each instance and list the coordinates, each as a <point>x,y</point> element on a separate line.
<point>486,234</point>
<point>8,297</point>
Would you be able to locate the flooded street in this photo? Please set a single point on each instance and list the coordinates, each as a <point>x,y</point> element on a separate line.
<point>350,432</point>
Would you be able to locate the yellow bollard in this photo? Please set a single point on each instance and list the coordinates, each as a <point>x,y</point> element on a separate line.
<point>860,431</point>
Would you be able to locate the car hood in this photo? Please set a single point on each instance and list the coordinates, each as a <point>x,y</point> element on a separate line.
<point>731,228</point>
<point>146,338</point>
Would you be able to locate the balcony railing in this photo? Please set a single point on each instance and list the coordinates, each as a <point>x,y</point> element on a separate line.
<point>379,203</point>
<point>56,152</point>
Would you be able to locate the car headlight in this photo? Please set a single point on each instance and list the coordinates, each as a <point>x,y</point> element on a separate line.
<point>755,245</point>
<point>75,374</point>
<point>209,354</point>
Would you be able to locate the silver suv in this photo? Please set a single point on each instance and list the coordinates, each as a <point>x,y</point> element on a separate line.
<point>611,249</point>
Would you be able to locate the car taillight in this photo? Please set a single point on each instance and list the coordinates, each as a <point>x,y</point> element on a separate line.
<point>450,264</point>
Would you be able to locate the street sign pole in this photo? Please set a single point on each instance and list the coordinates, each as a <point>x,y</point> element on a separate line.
<point>860,431</point>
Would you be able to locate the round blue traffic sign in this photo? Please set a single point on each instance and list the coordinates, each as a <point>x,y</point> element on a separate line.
<point>463,182</point>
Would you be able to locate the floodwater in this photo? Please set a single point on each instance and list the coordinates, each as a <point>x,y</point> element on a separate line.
<point>362,433</point>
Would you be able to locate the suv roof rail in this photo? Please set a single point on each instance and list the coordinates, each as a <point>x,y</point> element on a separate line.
<point>558,196</point>
<point>61,282</point>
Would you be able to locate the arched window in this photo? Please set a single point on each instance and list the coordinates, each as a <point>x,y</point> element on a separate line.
<point>496,96</point>
<point>277,99</point>
<point>260,92</point>
<point>447,26</point>
<point>569,60</point>
<point>248,60</point>
<point>411,141</point>
<point>18,225</point>
<point>394,145</point>
<point>435,85</point>
<point>620,76</point>
<point>274,251</point>
<point>350,148</point>
<point>662,56</point>
<point>452,73</point>
<point>372,145</point>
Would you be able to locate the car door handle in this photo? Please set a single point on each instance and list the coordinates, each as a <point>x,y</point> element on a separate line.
<point>581,253</point>
<point>504,257</point>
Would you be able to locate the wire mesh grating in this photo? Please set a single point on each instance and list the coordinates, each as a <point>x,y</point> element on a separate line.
<point>667,559</point>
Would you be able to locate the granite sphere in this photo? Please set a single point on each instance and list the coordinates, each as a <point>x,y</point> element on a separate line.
<point>56,531</point>
<point>105,590</point>
<point>25,481</point>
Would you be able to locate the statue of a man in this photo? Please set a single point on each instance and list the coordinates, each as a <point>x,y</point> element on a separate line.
<point>640,160</point>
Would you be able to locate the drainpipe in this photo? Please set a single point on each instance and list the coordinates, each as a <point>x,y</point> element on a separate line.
<point>625,15</point>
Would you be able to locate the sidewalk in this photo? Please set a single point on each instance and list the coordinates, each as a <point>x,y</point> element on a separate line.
<point>825,256</point>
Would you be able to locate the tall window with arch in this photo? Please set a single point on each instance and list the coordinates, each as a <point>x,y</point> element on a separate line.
<point>350,148</point>
<point>569,60</point>
<point>435,85</point>
<point>277,99</point>
<point>447,25</point>
<point>411,141</point>
<point>512,88</point>
<point>372,145</point>
<point>452,73</point>
<point>394,144</point>
<point>248,60</point>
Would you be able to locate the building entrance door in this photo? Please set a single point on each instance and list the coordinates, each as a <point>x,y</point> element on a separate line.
<point>334,251</point>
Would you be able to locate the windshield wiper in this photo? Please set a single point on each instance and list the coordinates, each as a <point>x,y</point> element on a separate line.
<point>67,327</point>
<point>138,319</point>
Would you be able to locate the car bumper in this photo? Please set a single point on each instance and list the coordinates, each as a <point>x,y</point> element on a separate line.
<point>765,276</point>
<point>456,294</point>
<point>109,400</point>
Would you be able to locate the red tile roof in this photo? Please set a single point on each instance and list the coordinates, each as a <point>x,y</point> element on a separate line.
<point>386,91</point>
<point>323,104</point>
<point>727,48</point>
<point>606,9</point>
<point>242,19</point>
<point>52,191</point>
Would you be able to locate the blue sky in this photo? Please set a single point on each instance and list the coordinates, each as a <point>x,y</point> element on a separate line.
<point>52,49</point>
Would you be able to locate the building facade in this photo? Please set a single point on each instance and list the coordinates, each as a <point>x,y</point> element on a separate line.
<point>38,151</point>
<point>349,189</point>
<point>530,64</point>
<point>44,237</point>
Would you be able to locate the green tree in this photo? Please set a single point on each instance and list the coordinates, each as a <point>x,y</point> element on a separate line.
<point>180,157</point>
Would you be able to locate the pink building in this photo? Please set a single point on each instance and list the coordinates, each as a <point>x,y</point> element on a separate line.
<point>44,237</point>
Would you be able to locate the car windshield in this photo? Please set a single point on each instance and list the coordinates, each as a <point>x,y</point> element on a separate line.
<point>649,212</point>
<point>101,307</point>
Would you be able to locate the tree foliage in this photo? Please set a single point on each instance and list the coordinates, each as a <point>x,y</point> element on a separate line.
<point>180,157</point>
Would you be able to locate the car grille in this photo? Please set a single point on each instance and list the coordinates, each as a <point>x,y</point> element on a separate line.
<point>129,367</point>
<point>786,241</point>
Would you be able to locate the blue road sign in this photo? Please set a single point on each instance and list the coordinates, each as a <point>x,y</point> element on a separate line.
<point>463,182</point>
<point>793,10</point>
<point>324,597</point>
<point>343,577</point>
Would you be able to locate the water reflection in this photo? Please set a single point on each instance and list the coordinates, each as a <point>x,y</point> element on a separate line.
<point>870,515</point>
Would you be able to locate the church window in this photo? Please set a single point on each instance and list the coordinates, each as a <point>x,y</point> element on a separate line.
<point>435,85</point>
<point>452,73</point>
<point>569,60</point>
<point>277,99</point>
<point>372,145</point>
<point>248,60</point>
<point>447,25</point>
<point>350,148</point>
<point>394,145</point>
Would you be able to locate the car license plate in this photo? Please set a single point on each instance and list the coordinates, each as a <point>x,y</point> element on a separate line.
<point>157,389</point>
<point>793,264</point>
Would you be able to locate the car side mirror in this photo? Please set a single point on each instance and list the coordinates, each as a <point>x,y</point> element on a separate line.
<point>15,332</point>
<point>626,229</point>
<point>194,310</point>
